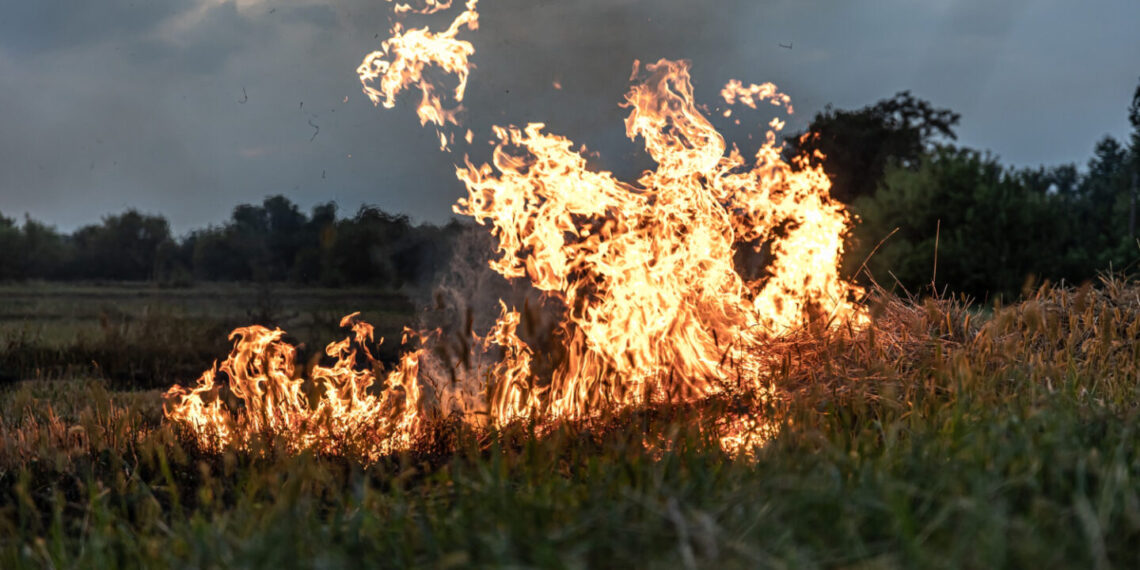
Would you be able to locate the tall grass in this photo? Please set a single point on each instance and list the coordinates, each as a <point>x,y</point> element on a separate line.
<point>942,437</point>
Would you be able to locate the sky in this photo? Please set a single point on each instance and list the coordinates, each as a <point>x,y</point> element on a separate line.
<point>187,108</point>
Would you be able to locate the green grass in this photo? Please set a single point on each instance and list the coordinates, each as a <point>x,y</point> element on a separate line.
<point>940,439</point>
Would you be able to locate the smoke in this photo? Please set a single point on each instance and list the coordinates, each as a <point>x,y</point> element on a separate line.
<point>462,307</point>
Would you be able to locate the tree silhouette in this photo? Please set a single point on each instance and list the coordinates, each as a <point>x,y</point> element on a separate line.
<point>858,145</point>
<point>122,247</point>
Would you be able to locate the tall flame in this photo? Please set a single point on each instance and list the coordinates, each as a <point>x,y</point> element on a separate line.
<point>645,269</point>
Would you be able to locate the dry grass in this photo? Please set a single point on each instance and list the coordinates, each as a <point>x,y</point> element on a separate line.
<point>944,436</point>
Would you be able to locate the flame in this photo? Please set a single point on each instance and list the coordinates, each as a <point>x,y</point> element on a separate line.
<point>430,7</point>
<point>654,305</point>
<point>401,61</point>
<point>742,434</point>
<point>261,374</point>
<point>646,269</point>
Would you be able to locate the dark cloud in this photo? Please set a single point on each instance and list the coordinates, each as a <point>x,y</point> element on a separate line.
<point>204,43</point>
<point>188,108</point>
<point>59,25</point>
<point>320,16</point>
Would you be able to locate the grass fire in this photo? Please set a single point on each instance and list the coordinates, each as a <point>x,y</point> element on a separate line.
<point>856,345</point>
<point>653,308</point>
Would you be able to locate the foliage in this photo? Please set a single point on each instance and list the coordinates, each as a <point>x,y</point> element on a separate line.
<point>1134,116</point>
<point>271,242</point>
<point>33,250</point>
<point>994,229</point>
<point>276,242</point>
<point>858,145</point>
<point>122,247</point>
<point>962,202</point>
<point>971,225</point>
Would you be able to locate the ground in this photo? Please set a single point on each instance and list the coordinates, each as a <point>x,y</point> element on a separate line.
<point>943,436</point>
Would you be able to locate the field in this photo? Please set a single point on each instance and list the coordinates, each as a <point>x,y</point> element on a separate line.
<point>944,436</point>
<point>141,336</point>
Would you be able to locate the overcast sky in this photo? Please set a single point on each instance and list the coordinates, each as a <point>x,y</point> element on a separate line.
<point>190,107</point>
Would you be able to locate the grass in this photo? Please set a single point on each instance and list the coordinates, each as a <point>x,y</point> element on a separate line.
<point>941,438</point>
<point>138,335</point>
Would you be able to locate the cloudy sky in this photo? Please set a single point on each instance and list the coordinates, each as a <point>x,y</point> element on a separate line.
<point>189,107</point>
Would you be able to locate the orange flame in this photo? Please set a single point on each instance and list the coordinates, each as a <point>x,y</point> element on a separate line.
<point>430,7</point>
<point>401,61</point>
<point>645,270</point>
<point>261,374</point>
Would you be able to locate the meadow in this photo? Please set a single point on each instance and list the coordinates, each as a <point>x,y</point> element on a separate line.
<point>943,436</point>
<point>143,336</point>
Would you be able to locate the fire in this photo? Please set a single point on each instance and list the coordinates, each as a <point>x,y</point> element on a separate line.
<point>401,61</point>
<point>261,373</point>
<point>654,305</point>
<point>646,269</point>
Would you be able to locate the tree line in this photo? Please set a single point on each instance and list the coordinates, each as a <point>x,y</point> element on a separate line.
<point>274,241</point>
<point>928,212</point>
<point>931,212</point>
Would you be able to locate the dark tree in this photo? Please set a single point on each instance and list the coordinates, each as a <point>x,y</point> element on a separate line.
<point>990,230</point>
<point>1102,208</point>
<point>363,248</point>
<point>259,243</point>
<point>47,252</point>
<point>218,256</point>
<point>12,260</point>
<point>173,262</point>
<point>1134,118</point>
<point>285,235</point>
<point>858,145</point>
<point>313,262</point>
<point>123,247</point>
<point>270,242</point>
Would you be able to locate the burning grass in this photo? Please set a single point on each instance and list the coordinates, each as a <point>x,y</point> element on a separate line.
<point>943,436</point>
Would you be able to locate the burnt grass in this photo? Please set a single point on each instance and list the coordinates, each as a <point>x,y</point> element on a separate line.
<point>944,435</point>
